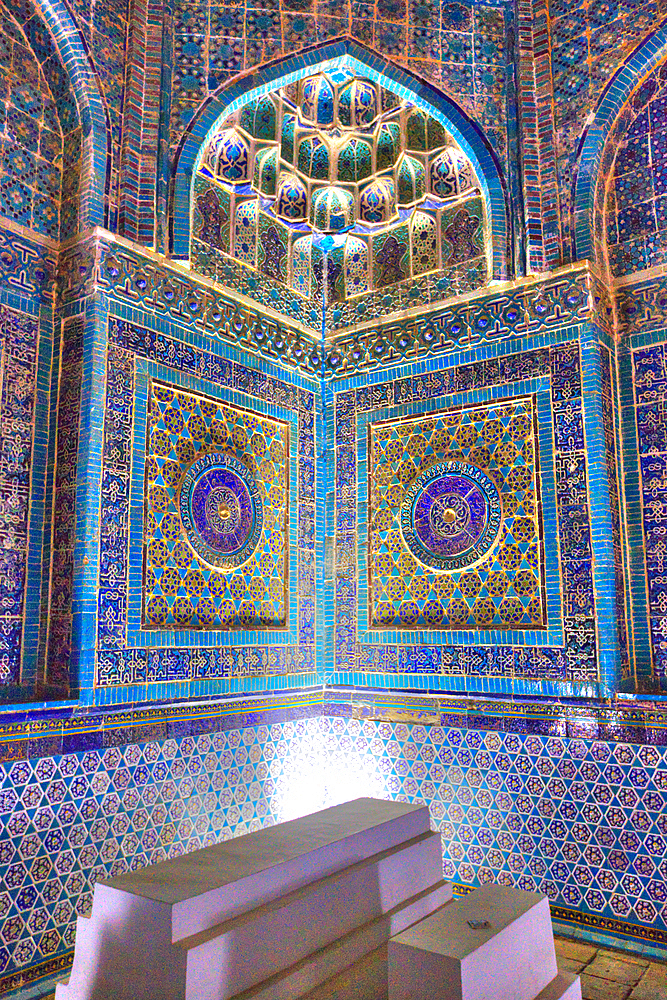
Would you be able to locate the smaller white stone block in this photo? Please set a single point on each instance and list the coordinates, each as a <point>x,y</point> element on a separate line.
<point>452,955</point>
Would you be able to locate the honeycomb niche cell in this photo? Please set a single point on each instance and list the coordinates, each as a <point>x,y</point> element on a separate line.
<point>339,162</point>
<point>216,515</point>
<point>455,527</point>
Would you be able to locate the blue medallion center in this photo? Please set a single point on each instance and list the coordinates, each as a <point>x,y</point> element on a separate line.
<point>221,510</point>
<point>451,515</point>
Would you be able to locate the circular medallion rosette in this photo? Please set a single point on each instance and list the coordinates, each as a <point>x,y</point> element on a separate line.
<point>451,515</point>
<point>221,510</point>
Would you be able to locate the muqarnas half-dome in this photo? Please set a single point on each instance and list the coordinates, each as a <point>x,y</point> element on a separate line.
<point>338,154</point>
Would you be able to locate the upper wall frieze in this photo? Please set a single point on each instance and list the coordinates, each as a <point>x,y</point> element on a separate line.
<point>102,263</point>
<point>642,301</point>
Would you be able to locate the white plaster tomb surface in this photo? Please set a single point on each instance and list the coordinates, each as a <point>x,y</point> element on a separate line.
<point>494,944</point>
<point>272,914</point>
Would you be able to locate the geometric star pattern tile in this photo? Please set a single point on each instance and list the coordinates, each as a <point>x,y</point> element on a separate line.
<point>455,538</point>
<point>121,808</point>
<point>215,526</point>
<point>583,821</point>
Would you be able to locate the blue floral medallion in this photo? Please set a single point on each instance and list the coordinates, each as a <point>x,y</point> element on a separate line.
<point>221,510</point>
<point>451,515</point>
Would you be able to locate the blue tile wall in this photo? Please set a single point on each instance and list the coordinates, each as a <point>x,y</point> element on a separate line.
<point>214,43</point>
<point>73,818</point>
<point>579,819</point>
<point>573,653</point>
<point>65,505</point>
<point>595,62</point>
<point>27,272</point>
<point>557,798</point>
<point>129,657</point>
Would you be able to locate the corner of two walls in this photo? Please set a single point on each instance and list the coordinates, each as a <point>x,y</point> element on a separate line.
<point>477,687</point>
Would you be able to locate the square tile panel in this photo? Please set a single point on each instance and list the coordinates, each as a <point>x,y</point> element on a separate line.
<point>216,517</point>
<point>455,520</point>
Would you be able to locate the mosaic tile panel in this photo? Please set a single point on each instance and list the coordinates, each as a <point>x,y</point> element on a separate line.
<point>18,383</point>
<point>650,376</point>
<point>573,658</point>
<point>636,212</point>
<point>456,520</point>
<point>216,524</point>
<point>609,425</point>
<point>260,443</point>
<point>64,529</point>
<point>533,306</point>
<point>114,533</point>
<point>538,162</point>
<point>101,39</point>
<point>27,270</point>
<point>140,206</point>
<point>642,305</point>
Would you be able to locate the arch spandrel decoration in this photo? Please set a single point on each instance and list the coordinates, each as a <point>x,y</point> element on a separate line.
<point>375,145</point>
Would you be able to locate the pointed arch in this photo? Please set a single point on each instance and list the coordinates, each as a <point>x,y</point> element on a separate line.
<point>70,52</point>
<point>362,61</point>
<point>643,61</point>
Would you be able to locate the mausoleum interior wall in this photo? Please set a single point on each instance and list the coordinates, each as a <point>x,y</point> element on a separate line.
<point>173,673</point>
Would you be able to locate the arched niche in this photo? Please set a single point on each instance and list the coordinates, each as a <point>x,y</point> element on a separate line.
<point>362,62</point>
<point>63,60</point>
<point>631,209</point>
<point>598,146</point>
